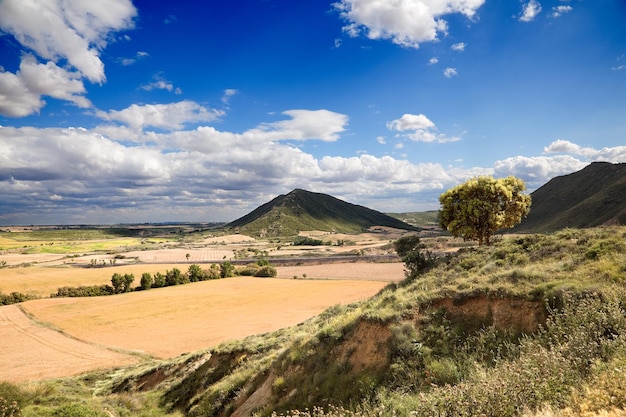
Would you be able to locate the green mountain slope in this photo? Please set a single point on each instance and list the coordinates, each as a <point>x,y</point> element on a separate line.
<point>305,210</point>
<point>593,196</point>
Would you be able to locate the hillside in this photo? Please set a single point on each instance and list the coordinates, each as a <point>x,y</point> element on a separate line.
<point>531,326</point>
<point>593,196</point>
<point>299,210</point>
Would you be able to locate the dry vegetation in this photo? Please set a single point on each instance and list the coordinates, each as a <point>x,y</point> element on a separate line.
<point>57,337</point>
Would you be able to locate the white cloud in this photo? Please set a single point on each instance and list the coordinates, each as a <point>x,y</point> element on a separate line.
<point>20,93</point>
<point>51,80</point>
<point>163,116</point>
<point>16,100</point>
<point>404,22</point>
<point>161,83</point>
<point>75,30</point>
<point>228,93</point>
<point>616,154</point>
<point>538,170</point>
<point>421,129</point>
<point>130,61</point>
<point>321,124</point>
<point>433,61</point>
<point>460,47</point>
<point>450,72</point>
<point>530,10</point>
<point>560,10</point>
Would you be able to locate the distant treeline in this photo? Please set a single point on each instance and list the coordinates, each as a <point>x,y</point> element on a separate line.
<point>14,298</point>
<point>124,283</point>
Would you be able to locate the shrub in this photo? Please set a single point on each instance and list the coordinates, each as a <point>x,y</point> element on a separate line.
<point>14,298</point>
<point>266,272</point>
<point>77,410</point>
<point>306,241</point>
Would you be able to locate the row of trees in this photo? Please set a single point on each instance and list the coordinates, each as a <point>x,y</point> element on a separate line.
<point>121,283</point>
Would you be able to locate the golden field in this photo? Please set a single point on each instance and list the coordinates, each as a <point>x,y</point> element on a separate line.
<point>58,337</point>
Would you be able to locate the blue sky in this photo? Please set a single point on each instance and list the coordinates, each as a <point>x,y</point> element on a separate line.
<point>144,111</point>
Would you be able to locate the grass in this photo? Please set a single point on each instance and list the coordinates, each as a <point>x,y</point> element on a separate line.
<point>447,342</point>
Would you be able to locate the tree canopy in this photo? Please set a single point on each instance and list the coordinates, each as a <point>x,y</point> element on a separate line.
<point>478,208</point>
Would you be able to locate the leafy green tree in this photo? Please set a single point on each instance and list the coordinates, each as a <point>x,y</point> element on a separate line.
<point>159,280</point>
<point>478,208</point>
<point>195,273</point>
<point>173,277</point>
<point>214,272</point>
<point>117,281</point>
<point>227,269</point>
<point>146,281</point>
<point>128,282</point>
<point>410,250</point>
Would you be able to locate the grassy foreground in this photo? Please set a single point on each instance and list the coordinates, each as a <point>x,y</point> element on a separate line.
<point>534,325</point>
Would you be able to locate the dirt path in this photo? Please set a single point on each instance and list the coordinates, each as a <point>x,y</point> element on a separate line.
<point>30,351</point>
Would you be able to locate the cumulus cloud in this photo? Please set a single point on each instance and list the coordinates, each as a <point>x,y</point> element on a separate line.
<point>557,11</point>
<point>87,173</point>
<point>161,83</point>
<point>433,61</point>
<point>459,47</point>
<point>321,124</point>
<point>560,157</point>
<point>75,30</point>
<point>20,93</point>
<point>537,170</point>
<point>130,61</point>
<point>162,116</point>
<point>404,22</point>
<point>420,129</point>
<point>450,72</point>
<point>530,10</point>
<point>228,93</point>
<point>615,154</point>
<point>72,31</point>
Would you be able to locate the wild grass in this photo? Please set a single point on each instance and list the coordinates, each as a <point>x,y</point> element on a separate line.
<point>436,363</point>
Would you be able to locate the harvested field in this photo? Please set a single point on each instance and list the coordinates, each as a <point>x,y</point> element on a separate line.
<point>365,271</point>
<point>31,352</point>
<point>43,281</point>
<point>162,322</point>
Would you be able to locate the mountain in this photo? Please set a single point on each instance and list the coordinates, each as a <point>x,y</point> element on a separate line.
<point>287,214</point>
<point>593,196</point>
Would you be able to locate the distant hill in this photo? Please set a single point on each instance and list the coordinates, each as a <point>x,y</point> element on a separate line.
<point>593,196</point>
<point>299,210</point>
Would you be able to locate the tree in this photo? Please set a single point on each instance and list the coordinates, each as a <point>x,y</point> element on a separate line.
<point>128,281</point>
<point>174,277</point>
<point>409,249</point>
<point>117,281</point>
<point>227,270</point>
<point>159,280</point>
<point>195,273</point>
<point>478,208</point>
<point>146,281</point>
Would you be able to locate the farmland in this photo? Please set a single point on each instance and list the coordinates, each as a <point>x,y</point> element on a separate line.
<point>58,337</point>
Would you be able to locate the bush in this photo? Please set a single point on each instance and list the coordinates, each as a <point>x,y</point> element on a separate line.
<point>307,241</point>
<point>266,272</point>
<point>14,298</point>
<point>77,410</point>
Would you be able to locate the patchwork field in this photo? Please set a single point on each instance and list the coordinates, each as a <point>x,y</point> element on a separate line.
<point>161,323</point>
<point>58,337</point>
